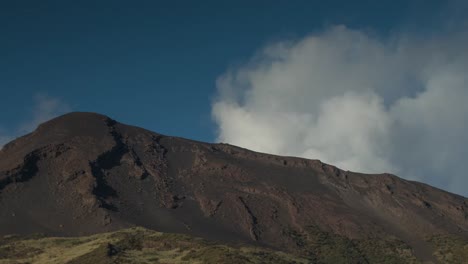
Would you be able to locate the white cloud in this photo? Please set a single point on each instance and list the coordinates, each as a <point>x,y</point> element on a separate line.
<point>357,101</point>
<point>4,140</point>
<point>45,108</point>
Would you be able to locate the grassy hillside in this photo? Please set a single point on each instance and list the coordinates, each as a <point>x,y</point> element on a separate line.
<point>323,247</point>
<point>450,249</point>
<point>139,245</point>
<point>136,245</point>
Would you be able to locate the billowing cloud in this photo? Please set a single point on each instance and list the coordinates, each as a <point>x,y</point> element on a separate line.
<point>45,108</point>
<point>357,101</point>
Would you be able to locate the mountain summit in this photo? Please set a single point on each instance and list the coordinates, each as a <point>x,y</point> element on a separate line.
<point>85,173</point>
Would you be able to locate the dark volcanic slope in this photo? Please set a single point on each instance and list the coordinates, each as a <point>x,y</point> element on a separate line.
<point>83,173</point>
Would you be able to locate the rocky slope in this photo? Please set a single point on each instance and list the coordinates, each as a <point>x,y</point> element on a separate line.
<point>84,173</point>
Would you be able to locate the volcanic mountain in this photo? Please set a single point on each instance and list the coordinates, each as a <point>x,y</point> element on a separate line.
<point>85,173</point>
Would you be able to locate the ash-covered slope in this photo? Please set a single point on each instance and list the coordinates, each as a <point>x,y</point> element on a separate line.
<point>83,173</point>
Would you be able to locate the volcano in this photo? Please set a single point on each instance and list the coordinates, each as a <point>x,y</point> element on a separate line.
<point>85,173</point>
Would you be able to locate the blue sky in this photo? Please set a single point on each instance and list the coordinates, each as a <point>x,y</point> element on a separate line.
<point>154,63</point>
<point>370,86</point>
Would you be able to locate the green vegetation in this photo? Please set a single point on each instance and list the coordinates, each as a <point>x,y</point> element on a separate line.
<point>324,247</point>
<point>139,245</point>
<point>450,249</point>
<point>135,245</point>
<point>386,251</point>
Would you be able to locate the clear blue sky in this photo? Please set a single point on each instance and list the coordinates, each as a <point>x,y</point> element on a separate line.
<point>154,63</point>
